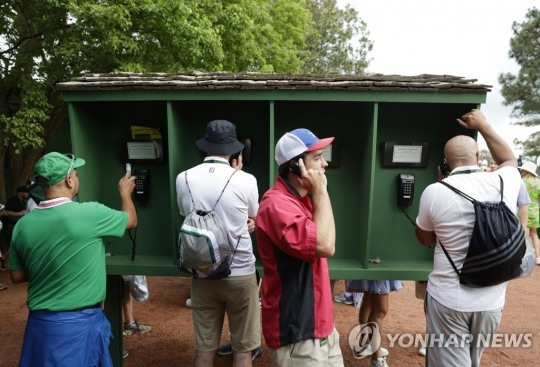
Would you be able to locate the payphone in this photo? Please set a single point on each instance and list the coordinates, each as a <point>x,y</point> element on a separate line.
<point>405,189</point>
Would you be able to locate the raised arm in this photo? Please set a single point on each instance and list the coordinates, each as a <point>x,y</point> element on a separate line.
<point>125,188</point>
<point>499,149</point>
<point>315,182</point>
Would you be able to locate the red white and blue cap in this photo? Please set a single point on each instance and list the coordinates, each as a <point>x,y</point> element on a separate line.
<point>297,142</point>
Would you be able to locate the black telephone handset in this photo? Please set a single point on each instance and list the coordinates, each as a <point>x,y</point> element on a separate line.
<point>235,156</point>
<point>405,189</point>
<point>295,168</point>
<point>142,184</point>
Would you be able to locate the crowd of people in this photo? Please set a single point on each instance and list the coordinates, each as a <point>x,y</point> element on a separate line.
<point>296,234</point>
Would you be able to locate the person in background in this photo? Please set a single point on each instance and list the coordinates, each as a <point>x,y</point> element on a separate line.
<point>17,203</point>
<point>2,260</point>
<point>523,206</point>
<point>15,209</point>
<point>236,295</point>
<point>493,166</point>
<point>59,250</point>
<point>523,199</point>
<point>374,308</point>
<point>130,324</point>
<point>4,241</point>
<point>532,182</point>
<point>452,308</point>
<point>296,234</point>
<point>35,193</point>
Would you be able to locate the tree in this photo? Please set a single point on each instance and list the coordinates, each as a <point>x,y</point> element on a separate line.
<point>530,147</point>
<point>339,42</point>
<point>49,41</point>
<point>523,90</point>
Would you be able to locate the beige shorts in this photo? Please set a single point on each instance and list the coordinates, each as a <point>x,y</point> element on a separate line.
<point>310,353</point>
<point>239,298</point>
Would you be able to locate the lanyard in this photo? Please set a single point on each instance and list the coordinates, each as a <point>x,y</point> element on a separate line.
<point>465,171</point>
<point>216,161</point>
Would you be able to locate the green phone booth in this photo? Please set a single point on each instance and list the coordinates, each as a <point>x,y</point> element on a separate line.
<point>390,133</point>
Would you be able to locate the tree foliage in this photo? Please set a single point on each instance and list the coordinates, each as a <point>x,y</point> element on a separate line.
<point>523,90</point>
<point>48,41</point>
<point>339,42</point>
<point>530,147</point>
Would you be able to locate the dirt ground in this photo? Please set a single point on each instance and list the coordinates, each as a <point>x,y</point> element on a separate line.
<point>171,341</point>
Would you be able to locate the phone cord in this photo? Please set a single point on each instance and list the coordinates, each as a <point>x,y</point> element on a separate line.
<point>409,218</point>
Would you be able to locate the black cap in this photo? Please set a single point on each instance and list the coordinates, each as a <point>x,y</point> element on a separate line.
<point>220,138</point>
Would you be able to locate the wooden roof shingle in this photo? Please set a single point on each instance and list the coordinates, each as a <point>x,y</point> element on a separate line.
<point>260,81</point>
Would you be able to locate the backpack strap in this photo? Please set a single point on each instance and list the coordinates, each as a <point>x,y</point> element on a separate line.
<point>461,193</point>
<point>502,186</point>
<point>189,190</point>
<point>219,198</point>
<point>448,257</point>
<point>470,198</point>
<point>222,191</point>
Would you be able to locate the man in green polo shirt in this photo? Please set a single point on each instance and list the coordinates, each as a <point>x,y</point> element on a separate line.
<point>58,248</point>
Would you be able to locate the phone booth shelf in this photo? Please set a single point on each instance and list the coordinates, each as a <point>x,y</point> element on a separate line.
<point>362,112</point>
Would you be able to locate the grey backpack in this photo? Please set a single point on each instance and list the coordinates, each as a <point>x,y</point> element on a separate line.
<point>203,248</point>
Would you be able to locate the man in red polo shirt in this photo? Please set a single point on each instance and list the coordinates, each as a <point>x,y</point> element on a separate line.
<point>295,234</point>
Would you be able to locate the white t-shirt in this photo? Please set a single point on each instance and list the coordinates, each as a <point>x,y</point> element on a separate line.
<point>239,201</point>
<point>451,217</point>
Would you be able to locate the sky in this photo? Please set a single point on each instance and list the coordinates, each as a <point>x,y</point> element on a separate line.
<point>468,38</point>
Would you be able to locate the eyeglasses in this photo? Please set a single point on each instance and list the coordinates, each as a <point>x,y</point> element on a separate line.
<point>72,157</point>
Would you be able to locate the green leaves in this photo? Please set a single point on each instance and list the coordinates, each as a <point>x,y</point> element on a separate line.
<point>25,128</point>
<point>339,40</point>
<point>48,41</point>
<point>523,90</point>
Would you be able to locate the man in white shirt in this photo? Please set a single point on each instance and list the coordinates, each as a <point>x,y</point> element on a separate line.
<point>454,310</point>
<point>237,294</point>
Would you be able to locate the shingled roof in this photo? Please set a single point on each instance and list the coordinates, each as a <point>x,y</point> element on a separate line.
<point>259,81</point>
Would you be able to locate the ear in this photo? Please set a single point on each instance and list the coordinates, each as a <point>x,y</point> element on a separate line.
<point>70,182</point>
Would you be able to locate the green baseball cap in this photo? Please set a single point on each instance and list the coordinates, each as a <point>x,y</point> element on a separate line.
<point>55,167</point>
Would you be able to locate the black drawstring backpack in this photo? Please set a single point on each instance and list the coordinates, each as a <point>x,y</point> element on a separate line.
<point>497,244</point>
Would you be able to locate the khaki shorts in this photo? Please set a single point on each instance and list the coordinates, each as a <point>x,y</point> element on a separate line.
<point>310,353</point>
<point>239,298</point>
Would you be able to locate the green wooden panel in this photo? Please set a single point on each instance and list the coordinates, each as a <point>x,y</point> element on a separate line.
<point>99,133</point>
<point>251,120</point>
<point>393,235</point>
<point>363,193</point>
<point>348,183</point>
<point>273,95</point>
